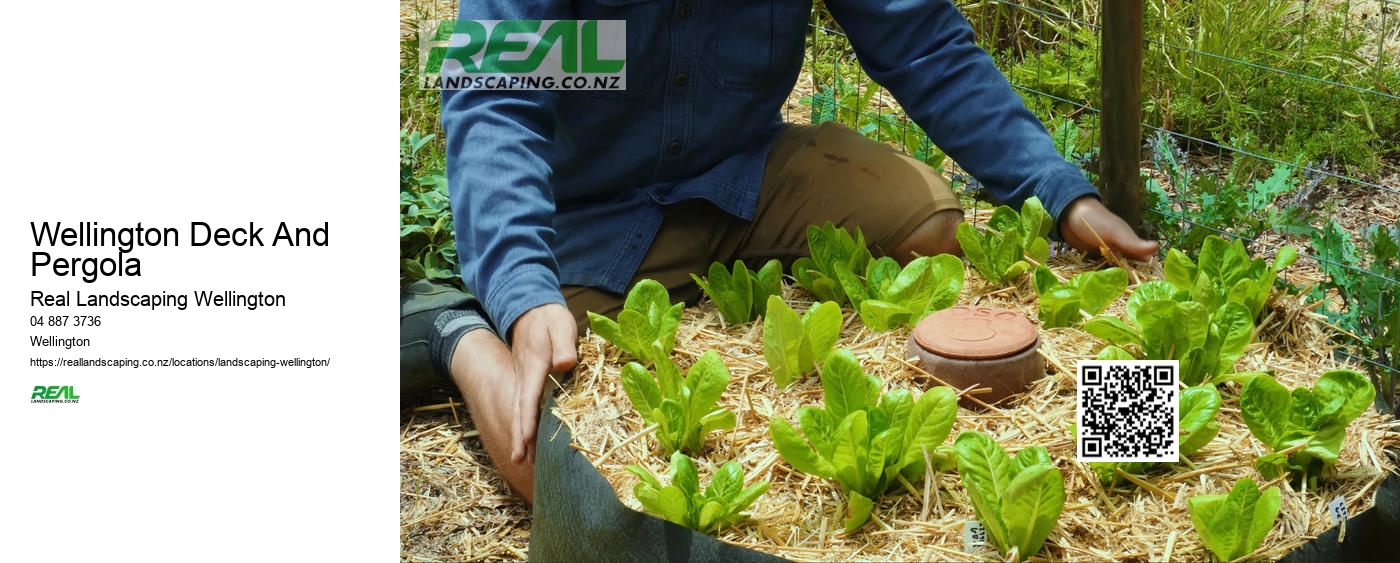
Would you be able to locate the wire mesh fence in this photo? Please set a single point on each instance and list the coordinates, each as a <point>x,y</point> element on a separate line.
<point>1274,122</point>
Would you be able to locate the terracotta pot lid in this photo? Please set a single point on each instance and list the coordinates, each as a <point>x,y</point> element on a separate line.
<point>974,333</point>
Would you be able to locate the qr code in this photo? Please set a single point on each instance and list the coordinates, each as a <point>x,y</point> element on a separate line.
<point>1128,411</point>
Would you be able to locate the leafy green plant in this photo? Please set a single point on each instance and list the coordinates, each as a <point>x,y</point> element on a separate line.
<point>1010,243</point>
<point>412,173</point>
<point>646,327</point>
<point>1205,204</point>
<point>1017,499</point>
<point>1226,273</point>
<point>1232,526</point>
<point>427,247</point>
<point>845,101</point>
<point>1090,292</point>
<point>1069,141</point>
<point>685,410</point>
<point>794,346</point>
<point>719,506</point>
<point>1167,325</point>
<point>1364,277</point>
<point>864,446</point>
<point>891,296</point>
<point>1227,67</point>
<point>1198,407</point>
<point>1304,428</point>
<point>741,295</point>
<point>830,246</point>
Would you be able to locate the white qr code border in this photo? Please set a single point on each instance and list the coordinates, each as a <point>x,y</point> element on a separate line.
<point>1091,379</point>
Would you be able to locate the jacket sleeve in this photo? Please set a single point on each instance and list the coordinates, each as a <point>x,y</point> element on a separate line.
<point>923,52</point>
<point>499,180</point>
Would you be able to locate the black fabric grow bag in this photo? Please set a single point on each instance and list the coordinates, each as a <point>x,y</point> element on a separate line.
<point>1373,535</point>
<point>577,516</point>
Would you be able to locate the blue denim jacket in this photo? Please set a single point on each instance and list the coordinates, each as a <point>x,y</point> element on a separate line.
<point>553,188</point>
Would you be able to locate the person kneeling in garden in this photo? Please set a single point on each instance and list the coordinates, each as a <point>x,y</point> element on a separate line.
<point>564,199</point>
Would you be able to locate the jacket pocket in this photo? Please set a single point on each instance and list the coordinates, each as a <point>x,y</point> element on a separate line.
<point>747,44</point>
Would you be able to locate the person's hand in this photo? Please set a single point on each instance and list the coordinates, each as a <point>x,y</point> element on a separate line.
<point>545,339</point>
<point>1087,215</point>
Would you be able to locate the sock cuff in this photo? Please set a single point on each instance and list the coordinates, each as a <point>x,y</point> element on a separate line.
<point>448,329</point>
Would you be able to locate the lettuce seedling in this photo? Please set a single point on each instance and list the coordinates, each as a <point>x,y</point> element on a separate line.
<point>1000,251</point>
<point>1197,407</point>
<point>794,346</point>
<point>1091,292</point>
<point>1304,428</point>
<point>1166,325</point>
<point>1226,273</point>
<point>1233,525</point>
<point>741,295</point>
<point>830,246</point>
<point>684,410</point>
<point>646,327</point>
<point>718,507</point>
<point>890,296</point>
<point>864,446</point>
<point>1017,499</point>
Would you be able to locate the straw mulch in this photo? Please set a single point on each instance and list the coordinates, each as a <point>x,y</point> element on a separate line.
<point>800,517</point>
<point>453,505</point>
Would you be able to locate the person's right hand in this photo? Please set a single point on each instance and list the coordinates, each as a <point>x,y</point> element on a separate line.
<point>544,339</point>
<point>1086,222</point>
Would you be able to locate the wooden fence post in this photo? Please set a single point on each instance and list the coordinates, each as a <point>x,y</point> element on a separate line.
<point>1121,121</point>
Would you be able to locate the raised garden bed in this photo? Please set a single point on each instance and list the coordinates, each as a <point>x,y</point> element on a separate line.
<point>801,516</point>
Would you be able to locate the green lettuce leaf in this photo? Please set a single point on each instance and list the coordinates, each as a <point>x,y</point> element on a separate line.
<point>646,327</point>
<point>927,284</point>
<point>863,439</point>
<point>741,295</point>
<point>716,508</point>
<point>1091,292</point>
<point>830,246</point>
<point>1232,526</point>
<point>1017,500</point>
<point>795,346</point>
<point>1011,244</point>
<point>1314,420</point>
<point>685,410</point>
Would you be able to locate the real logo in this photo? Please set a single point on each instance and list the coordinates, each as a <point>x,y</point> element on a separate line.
<point>54,394</point>
<point>523,54</point>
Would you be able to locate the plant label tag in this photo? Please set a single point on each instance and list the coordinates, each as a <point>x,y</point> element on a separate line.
<point>1338,509</point>
<point>974,536</point>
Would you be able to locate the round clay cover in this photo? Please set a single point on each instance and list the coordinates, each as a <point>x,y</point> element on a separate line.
<point>972,332</point>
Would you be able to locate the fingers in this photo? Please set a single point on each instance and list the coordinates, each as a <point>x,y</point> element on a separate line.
<point>1087,221</point>
<point>532,365</point>
<point>546,338</point>
<point>1120,237</point>
<point>1129,243</point>
<point>563,336</point>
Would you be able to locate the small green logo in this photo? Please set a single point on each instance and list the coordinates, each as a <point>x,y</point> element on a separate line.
<point>54,394</point>
<point>522,55</point>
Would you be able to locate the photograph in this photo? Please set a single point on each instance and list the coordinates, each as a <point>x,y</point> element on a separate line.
<point>924,280</point>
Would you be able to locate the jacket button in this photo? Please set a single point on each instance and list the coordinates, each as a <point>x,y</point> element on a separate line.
<point>682,78</point>
<point>674,147</point>
<point>685,11</point>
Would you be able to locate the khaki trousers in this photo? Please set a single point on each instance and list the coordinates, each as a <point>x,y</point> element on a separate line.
<point>814,174</point>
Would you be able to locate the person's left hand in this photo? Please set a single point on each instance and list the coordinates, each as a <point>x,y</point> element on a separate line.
<point>1087,215</point>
